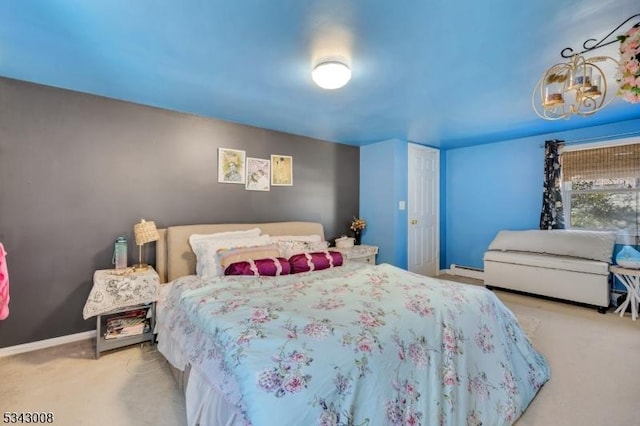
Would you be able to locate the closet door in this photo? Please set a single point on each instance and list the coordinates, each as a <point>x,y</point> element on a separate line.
<point>423,205</point>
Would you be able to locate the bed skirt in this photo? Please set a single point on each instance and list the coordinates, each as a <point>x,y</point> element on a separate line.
<point>205,406</point>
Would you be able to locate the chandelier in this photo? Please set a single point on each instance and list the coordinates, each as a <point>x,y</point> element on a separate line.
<point>578,86</point>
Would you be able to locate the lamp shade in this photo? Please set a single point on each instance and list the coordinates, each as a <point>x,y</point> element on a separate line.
<point>331,75</point>
<point>145,232</point>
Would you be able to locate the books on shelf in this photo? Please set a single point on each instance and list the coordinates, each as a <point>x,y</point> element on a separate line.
<point>128,323</point>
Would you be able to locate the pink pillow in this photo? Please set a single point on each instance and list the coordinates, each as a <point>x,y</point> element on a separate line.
<point>317,261</point>
<point>240,254</point>
<point>272,267</point>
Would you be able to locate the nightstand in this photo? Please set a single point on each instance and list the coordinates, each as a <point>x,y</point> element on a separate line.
<point>123,302</point>
<point>361,253</point>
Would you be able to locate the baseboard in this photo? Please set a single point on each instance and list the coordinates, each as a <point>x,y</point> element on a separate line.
<point>47,343</point>
<point>466,271</point>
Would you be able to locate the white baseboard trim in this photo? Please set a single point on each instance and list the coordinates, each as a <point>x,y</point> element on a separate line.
<point>466,271</point>
<point>47,343</point>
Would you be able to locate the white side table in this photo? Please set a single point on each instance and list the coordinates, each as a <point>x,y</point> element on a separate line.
<point>361,253</point>
<point>630,278</point>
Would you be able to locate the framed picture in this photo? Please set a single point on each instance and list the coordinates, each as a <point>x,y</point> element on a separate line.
<point>281,170</point>
<point>231,165</point>
<point>258,172</point>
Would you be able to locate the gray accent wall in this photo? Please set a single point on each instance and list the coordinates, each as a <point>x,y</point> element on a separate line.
<point>77,171</point>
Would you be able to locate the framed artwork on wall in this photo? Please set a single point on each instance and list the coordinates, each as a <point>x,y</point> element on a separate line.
<point>281,170</point>
<point>258,172</point>
<point>231,165</point>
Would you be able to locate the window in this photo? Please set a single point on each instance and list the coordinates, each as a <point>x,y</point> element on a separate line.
<point>601,188</point>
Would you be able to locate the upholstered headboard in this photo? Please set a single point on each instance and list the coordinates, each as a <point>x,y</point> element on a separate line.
<point>174,257</point>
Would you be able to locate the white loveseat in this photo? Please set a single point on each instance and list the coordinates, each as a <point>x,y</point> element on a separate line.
<point>570,265</point>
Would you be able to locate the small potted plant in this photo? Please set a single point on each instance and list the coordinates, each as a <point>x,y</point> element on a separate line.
<point>357,226</point>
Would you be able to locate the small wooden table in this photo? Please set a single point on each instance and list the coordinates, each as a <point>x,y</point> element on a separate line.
<point>630,278</point>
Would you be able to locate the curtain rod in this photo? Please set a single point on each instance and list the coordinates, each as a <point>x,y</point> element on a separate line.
<point>597,138</point>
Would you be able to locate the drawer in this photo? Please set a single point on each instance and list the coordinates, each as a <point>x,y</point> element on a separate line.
<point>368,259</point>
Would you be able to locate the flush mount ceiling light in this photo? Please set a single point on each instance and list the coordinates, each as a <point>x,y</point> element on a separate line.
<point>331,75</point>
<point>578,86</point>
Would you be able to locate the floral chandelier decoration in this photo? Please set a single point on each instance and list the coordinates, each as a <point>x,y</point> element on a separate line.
<point>629,67</point>
<point>580,85</point>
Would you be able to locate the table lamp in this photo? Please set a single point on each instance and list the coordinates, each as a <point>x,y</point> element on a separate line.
<point>144,232</point>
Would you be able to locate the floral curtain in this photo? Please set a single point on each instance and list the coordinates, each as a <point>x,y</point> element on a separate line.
<point>552,216</point>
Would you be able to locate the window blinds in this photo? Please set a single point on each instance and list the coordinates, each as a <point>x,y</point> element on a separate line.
<point>612,162</point>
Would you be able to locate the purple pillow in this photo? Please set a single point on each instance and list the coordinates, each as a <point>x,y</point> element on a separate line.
<point>317,261</point>
<point>271,267</point>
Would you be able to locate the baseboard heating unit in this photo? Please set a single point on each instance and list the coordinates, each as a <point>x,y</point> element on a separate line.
<point>467,271</point>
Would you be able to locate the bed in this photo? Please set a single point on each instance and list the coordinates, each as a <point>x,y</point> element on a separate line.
<point>355,344</point>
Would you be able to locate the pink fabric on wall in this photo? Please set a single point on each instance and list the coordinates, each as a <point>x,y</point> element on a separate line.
<point>4,284</point>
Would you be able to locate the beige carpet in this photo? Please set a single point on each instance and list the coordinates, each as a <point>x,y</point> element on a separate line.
<point>590,356</point>
<point>529,325</point>
<point>594,359</point>
<point>131,386</point>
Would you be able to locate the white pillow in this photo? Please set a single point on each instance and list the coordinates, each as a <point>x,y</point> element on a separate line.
<point>220,235</point>
<point>311,238</point>
<point>289,248</point>
<point>206,251</point>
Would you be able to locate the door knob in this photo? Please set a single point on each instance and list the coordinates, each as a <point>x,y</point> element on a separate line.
<point>414,222</point>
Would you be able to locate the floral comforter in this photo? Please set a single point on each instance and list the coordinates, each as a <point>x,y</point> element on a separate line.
<point>357,345</point>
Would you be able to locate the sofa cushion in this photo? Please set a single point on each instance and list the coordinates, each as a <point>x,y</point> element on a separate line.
<point>564,263</point>
<point>595,245</point>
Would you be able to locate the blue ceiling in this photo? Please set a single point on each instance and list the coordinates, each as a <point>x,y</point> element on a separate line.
<point>439,73</point>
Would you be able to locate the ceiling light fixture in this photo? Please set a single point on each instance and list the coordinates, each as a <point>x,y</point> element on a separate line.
<point>578,86</point>
<point>331,75</point>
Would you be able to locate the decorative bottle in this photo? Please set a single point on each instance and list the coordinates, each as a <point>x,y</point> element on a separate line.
<point>120,253</point>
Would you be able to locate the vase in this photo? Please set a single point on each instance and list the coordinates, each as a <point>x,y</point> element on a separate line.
<point>628,257</point>
<point>358,236</point>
